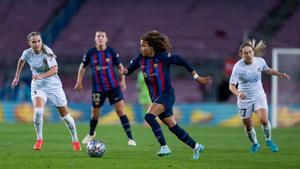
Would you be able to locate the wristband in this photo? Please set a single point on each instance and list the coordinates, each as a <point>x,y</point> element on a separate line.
<point>195,76</point>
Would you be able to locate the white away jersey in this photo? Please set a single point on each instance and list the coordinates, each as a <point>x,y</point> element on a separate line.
<point>248,78</point>
<point>41,63</point>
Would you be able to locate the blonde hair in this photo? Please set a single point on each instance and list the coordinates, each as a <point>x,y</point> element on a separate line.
<point>258,48</point>
<point>44,50</point>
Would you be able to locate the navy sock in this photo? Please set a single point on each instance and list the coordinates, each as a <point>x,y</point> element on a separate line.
<point>150,118</point>
<point>126,126</point>
<point>93,124</point>
<point>183,135</point>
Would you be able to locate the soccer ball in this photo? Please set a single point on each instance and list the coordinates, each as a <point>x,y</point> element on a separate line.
<point>95,148</point>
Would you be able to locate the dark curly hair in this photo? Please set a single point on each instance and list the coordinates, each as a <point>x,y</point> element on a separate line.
<point>159,41</point>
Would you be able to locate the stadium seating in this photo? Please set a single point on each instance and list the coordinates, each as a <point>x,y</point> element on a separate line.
<point>196,28</point>
<point>18,19</point>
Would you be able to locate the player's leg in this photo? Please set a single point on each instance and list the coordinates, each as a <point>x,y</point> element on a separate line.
<point>98,100</point>
<point>119,107</point>
<point>249,128</point>
<point>39,98</point>
<point>58,98</point>
<point>70,123</point>
<point>266,127</point>
<point>39,105</point>
<point>154,110</point>
<point>183,136</point>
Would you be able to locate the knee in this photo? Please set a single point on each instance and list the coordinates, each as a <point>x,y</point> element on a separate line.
<point>248,128</point>
<point>149,117</point>
<point>120,113</point>
<point>264,122</point>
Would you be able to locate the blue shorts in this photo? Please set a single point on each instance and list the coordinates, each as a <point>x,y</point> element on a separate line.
<point>115,95</point>
<point>167,100</point>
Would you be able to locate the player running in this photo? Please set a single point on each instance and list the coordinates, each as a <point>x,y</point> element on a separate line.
<point>250,94</point>
<point>45,85</point>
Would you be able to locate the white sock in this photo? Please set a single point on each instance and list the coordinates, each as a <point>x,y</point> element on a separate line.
<point>252,136</point>
<point>267,131</point>
<point>71,126</point>
<point>38,122</point>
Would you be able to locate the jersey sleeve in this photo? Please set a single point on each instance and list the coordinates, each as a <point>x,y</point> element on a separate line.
<point>86,58</point>
<point>265,67</point>
<point>51,61</point>
<point>234,76</point>
<point>177,60</point>
<point>115,56</point>
<point>133,65</point>
<point>24,55</point>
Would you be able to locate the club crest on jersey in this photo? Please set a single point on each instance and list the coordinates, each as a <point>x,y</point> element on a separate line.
<point>107,60</point>
<point>259,69</point>
<point>98,67</point>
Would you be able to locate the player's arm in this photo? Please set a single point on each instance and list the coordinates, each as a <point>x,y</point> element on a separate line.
<point>81,71</point>
<point>122,76</point>
<point>20,66</point>
<point>277,73</point>
<point>52,71</point>
<point>233,82</point>
<point>176,59</point>
<point>133,65</point>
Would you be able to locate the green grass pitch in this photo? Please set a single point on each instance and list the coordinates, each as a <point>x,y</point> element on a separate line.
<point>226,148</point>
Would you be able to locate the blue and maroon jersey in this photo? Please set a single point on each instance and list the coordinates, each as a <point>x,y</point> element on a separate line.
<point>102,65</point>
<point>156,71</point>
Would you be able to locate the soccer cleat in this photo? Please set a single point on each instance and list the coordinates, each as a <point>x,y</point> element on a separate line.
<point>164,150</point>
<point>272,146</point>
<point>197,151</point>
<point>38,144</point>
<point>76,146</point>
<point>88,138</point>
<point>131,142</point>
<point>255,148</point>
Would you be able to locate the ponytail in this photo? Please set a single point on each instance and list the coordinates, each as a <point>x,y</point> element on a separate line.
<point>258,48</point>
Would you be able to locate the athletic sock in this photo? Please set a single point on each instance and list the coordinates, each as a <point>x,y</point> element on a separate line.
<point>183,135</point>
<point>126,126</point>
<point>93,125</point>
<point>71,126</point>
<point>150,118</point>
<point>38,122</point>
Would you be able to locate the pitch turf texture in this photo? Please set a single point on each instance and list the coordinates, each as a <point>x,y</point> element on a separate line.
<point>224,148</point>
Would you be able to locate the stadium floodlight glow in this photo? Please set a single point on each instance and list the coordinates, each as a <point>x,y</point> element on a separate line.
<point>276,53</point>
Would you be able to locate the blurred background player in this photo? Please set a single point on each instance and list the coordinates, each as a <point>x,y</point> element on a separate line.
<point>143,94</point>
<point>250,94</point>
<point>45,85</point>
<point>102,60</point>
<point>154,61</point>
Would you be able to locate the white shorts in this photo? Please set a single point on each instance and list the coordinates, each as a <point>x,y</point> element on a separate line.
<point>56,96</point>
<point>246,109</point>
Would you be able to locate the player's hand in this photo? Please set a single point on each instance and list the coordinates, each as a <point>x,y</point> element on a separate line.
<point>242,96</point>
<point>78,87</point>
<point>15,82</point>
<point>284,76</point>
<point>124,71</point>
<point>37,77</point>
<point>205,80</point>
<point>123,85</point>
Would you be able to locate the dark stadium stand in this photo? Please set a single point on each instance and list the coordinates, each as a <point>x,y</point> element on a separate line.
<point>205,32</point>
<point>18,19</point>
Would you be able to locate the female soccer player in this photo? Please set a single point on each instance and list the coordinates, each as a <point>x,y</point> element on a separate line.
<point>250,93</point>
<point>102,60</point>
<point>45,85</point>
<point>155,61</point>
